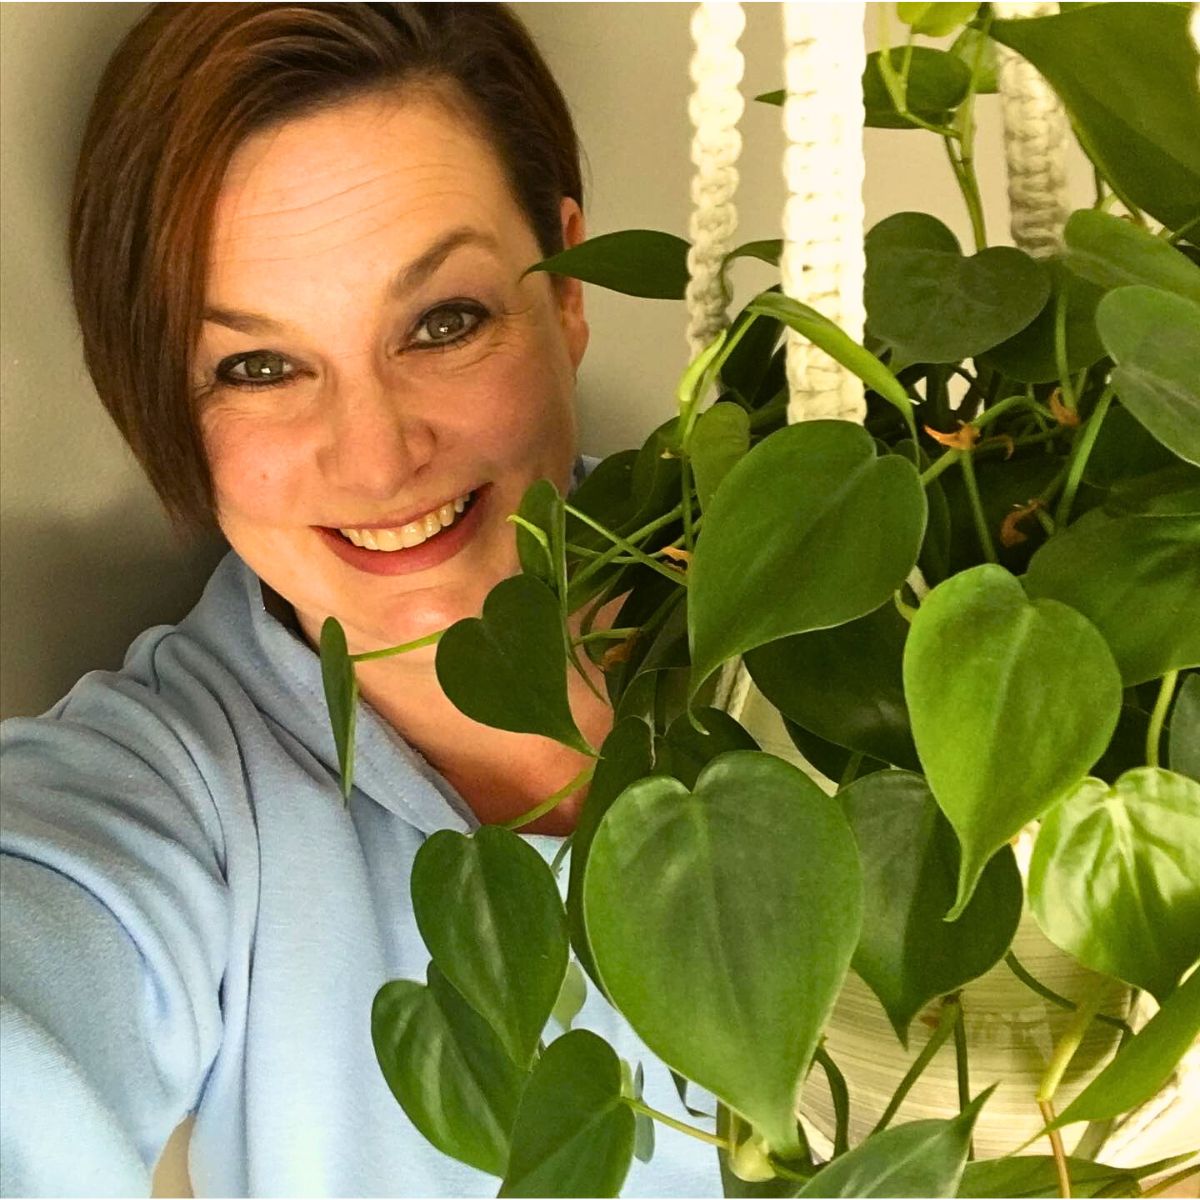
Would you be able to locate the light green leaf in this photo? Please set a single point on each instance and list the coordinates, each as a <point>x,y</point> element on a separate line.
<point>1011,702</point>
<point>1113,253</point>
<point>810,519</point>
<point>508,668</point>
<point>446,1067</point>
<point>935,20</point>
<point>971,43</point>
<point>937,84</point>
<point>1111,567</point>
<point>571,997</point>
<point>488,909</point>
<point>1184,745</point>
<point>341,697</point>
<point>906,953</point>
<point>1127,75</point>
<point>763,897</point>
<point>1153,336</point>
<point>932,304</point>
<point>1113,878</point>
<point>636,262</point>
<point>1142,1066</point>
<point>721,439</point>
<point>923,1158</point>
<point>574,1134</point>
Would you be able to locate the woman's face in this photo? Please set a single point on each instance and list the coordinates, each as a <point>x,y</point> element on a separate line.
<point>373,356</point>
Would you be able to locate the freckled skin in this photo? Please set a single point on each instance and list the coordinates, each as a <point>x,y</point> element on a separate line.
<point>313,221</point>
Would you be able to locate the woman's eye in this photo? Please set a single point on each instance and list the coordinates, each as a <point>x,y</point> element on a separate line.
<point>258,369</point>
<point>447,325</point>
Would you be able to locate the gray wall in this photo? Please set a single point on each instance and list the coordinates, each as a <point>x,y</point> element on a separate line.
<point>86,559</point>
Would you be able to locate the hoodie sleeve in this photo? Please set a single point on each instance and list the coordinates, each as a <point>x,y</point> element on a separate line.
<point>114,931</point>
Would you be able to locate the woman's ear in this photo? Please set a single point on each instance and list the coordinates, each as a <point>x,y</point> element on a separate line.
<point>570,291</point>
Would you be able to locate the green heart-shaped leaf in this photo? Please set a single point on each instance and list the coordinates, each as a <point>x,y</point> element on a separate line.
<point>1011,702</point>
<point>935,20</point>
<point>1033,1175</point>
<point>843,684</point>
<point>1153,336</point>
<point>626,756</point>
<point>1127,75</point>
<point>937,84</point>
<point>684,751</point>
<point>488,908</point>
<point>508,668</point>
<point>637,262</point>
<point>341,697</point>
<point>719,441</point>
<point>923,1158</point>
<point>1111,567</point>
<point>540,549</point>
<point>574,1134</point>
<point>906,953</point>
<point>1113,879</point>
<point>1184,752</point>
<point>809,530</point>
<point>1142,1066</point>
<point>1113,253</point>
<point>763,895</point>
<point>842,348</point>
<point>571,997</point>
<point>933,305</point>
<point>447,1069</point>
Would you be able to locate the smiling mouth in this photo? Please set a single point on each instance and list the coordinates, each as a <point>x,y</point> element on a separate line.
<point>414,533</point>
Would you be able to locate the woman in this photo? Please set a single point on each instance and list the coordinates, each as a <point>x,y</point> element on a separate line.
<point>298,240</point>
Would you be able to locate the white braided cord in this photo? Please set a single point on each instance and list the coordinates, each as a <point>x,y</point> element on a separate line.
<point>823,217</point>
<point>1035,140</point>
<point>715,107</point>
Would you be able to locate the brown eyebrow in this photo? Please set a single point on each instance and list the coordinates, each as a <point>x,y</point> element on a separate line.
<point>407,279</point>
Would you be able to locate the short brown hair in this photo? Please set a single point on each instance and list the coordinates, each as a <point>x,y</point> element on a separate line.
<point>184,89</point>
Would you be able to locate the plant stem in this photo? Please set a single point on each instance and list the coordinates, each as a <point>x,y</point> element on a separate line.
<point>1080,453</point>
<point>1165,1185</point>
<point>1067,1045</point>
<point>841,1100</point>
<point>996,410</point>
<point>604,635</point>
<point>429,640</point>
<point>1036,985</point>
<point>690,1130</point>
<point>638,535</point>
<point>852,765</point>
<point>962,1069</point>
<point>1060,351</point>
<point>938,465</point>
<point>685,476</point>
<point>551,802</point>
<point>561,853</point>
<point>1056,1146</point>
<point>985,537</point>
<point>1158,716</point>
<point>947,1020</point>
<point>627,547</point>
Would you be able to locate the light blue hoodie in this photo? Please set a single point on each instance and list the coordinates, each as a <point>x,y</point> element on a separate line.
<point>193,922</point>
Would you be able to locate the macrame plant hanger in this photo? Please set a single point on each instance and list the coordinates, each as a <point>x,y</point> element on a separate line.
<point>823,258</point>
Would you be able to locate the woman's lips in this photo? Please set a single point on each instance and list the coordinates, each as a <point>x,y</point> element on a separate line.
<point>430,553</point>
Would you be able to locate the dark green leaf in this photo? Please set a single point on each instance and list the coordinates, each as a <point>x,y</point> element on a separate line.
<point>937,84</point>
<point>767,251</point>
<point>1113,253</point>
<point>1124,449</point>
<point>508,668</point>
<point>626,756</point>
<point>907,954</point>
<point>1184,753</point>
<point>934,559</point>
<point>541,506</point>
<point>1143,1064</point>
<point>993,680</point>
<point>1112,567</point>
<point>447,1069</point>
<point>493,881</point>
<point>843,684</point>
<point>1113,878</point>
<point>574,1134</point>
<point>637,262</point>
<point>935,20</point>
<point>1035,1175</point>
<point>1127,74</point>
<point>341,697</point>
<point>824,334</point>
<point>684,752</point>
<point>809,530</point>
<point>932,304</point>
<point>763,894</point>
<point>923,1158</point>
<point>1153,336</point>
<point>721,439</point>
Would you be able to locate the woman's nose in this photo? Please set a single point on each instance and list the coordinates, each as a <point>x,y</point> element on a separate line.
<point>378,437</point>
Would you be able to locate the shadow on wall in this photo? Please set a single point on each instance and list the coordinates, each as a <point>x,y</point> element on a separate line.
<point>74,593</point>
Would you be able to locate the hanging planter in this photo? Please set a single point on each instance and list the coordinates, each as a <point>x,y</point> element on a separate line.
<point>898,823</point>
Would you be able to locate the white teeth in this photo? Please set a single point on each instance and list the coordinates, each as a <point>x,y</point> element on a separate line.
<point>412,534</point>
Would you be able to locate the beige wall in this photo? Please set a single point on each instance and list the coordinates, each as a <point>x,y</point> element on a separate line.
<point>86,560</point>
